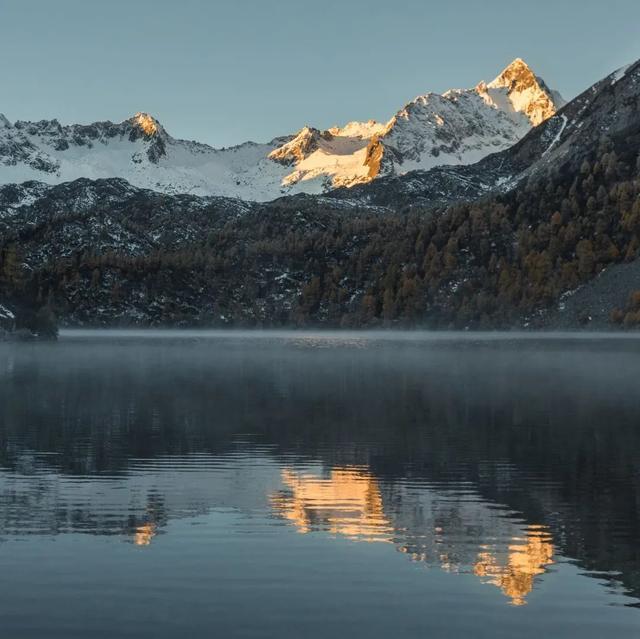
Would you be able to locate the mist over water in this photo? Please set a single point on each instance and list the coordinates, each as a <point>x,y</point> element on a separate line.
<point>320,484</point>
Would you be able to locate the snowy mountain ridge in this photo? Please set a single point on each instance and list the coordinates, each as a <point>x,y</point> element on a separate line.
<point>458,127</point>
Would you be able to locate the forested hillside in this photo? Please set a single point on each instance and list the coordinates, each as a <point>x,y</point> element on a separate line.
<point>495,262</point>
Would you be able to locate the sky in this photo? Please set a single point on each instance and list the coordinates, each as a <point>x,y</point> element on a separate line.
<point>226,71</point>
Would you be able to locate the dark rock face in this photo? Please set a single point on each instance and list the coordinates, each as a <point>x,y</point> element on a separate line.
<point>157,149</point>
<point>300,147</point>
<point>44,165</point>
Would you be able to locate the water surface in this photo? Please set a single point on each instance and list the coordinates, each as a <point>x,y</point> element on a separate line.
<point>318,485</point>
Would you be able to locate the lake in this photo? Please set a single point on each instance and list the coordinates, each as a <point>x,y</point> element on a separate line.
<point>165,484</point>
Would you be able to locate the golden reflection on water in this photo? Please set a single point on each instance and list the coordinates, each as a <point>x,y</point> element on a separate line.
<point>526,558</point>
<point>144,534</point>
<point>348,502</point>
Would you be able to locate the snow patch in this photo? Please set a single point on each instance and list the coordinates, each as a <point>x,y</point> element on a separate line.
<point>555,140</point>
<point>5,313</point>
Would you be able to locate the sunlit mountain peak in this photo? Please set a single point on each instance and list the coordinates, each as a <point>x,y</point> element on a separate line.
<point>147,123</point>
<point>527,93</point>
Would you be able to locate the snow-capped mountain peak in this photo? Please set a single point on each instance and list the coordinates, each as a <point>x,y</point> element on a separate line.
<point>526,92</point>
<point>300,147</point>
<point>460,126</point>
<point>360,129</point>
<point>147,124</point>
<point>516,72</point>
<point>336,157</point>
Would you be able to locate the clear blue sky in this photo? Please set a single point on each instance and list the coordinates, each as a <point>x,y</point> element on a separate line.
<point>225,71</point>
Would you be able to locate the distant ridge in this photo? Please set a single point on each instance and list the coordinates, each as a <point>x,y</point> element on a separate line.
<point>457,128</point>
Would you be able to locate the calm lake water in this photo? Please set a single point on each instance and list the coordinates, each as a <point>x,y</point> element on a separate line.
<point>298,485</point>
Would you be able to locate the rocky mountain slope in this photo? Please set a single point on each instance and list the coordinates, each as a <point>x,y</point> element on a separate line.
<point>463,126</point>
<point>608,109</point>
<point>456,128</point>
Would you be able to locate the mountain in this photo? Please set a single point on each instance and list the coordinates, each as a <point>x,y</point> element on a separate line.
<point>608,109</point>
<point>516,239</point>
<point>138,150</point>
<point>463,126</point>
<point>458,127</point>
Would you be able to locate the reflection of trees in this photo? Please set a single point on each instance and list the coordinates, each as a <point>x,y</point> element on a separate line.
<point>46,504</point>
<point>552,436</point>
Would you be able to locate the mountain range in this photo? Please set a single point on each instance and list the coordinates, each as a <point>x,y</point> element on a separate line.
<point>543,229</point>
<point>457,127</point>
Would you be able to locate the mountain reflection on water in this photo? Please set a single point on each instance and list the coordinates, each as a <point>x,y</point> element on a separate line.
<point>496,459</point>
<point>455,535</point>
